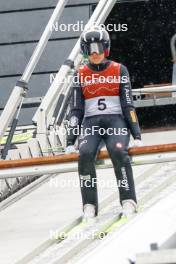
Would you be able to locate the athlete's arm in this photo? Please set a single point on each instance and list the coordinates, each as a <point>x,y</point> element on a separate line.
<point>76,111</point>
<point>127,105</point>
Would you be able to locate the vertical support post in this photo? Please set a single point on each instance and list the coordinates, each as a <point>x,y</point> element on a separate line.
<point>42,134</point>
<point>173,51</point>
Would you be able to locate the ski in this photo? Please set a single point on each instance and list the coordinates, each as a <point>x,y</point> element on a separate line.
<point>63,235</point>
<point>104,229</point>
<point>122,220</point>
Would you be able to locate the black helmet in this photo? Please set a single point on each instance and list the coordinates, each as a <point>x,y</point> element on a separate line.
<point>95,39</point>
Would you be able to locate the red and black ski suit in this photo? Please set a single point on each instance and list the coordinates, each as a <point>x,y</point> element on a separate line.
<point>102,99</point>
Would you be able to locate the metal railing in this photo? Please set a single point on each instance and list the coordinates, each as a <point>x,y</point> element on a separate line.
<point>50,165</point>
<point>17,96</point>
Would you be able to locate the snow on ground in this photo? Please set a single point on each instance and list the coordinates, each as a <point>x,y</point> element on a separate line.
<point>28,222</point>
<point>141,232</point>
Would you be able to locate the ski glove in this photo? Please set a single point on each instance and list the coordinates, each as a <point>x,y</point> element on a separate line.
<point>70,149</point>
<point>136,143</point>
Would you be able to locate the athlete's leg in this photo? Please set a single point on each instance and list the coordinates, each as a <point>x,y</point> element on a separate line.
<point>100,161</point>
<point>88,146</point>
<point>117,146</point>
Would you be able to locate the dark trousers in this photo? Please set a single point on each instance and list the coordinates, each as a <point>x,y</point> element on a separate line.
<point>115,134</point>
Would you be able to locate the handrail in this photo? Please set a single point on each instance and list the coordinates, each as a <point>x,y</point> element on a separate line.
<point>75,156</point>
<point>19,91</point>
<point>160,89</point>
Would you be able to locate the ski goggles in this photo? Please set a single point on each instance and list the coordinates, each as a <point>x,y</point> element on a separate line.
<point>95,47</point>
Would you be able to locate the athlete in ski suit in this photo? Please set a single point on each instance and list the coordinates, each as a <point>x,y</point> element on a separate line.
<point>102,106</point>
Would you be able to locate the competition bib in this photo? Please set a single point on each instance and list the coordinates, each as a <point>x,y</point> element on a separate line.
<point>103,105</point>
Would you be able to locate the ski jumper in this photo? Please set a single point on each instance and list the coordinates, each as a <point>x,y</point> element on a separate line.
<point>102,106</point>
